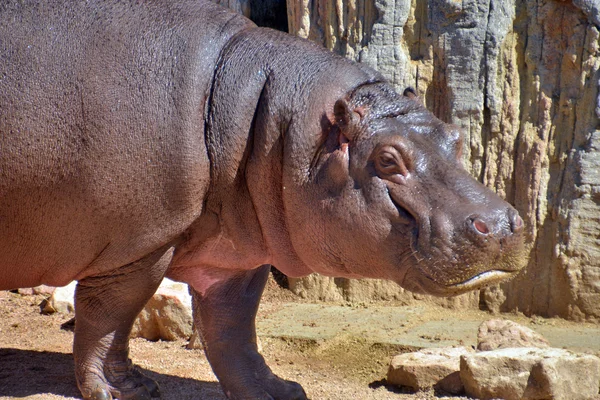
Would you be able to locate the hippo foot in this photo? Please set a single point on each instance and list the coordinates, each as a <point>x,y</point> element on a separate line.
<point>126,385</point>
<point>271,388</point>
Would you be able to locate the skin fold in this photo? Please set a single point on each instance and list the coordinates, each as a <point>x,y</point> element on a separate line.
<point>175,138</point>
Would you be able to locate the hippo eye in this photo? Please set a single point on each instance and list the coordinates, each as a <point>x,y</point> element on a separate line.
<point>389,162</point>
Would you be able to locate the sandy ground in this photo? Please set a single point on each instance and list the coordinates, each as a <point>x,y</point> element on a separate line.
<point>36,360</point>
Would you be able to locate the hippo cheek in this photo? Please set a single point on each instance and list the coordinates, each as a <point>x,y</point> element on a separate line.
<point>357,233</point>
<point>411,217</point>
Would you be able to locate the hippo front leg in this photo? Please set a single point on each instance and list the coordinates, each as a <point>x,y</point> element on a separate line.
<point>105,308</point>
<point>225,316</point>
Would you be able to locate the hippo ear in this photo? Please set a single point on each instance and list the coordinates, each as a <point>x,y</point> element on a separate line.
<point>347,120</point>
<point>453,137</point>
<point>458,143</point>
<point>411,93</point>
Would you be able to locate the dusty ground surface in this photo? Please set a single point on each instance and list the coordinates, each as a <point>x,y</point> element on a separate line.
<point>36,360</point>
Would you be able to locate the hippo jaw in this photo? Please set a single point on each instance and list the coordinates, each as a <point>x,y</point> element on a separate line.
<point>460,248</point>
<point>441,270</point>
<point>420,283</point>
<point>484,279</point>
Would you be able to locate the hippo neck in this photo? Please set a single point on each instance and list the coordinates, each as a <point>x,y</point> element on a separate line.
<point>269,97</point>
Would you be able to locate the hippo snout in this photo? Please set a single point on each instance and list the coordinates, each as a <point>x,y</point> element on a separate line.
<point>488,249</point>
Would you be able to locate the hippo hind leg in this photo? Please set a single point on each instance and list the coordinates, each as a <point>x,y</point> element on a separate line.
<point>105,308</point>
<point>225,315</point>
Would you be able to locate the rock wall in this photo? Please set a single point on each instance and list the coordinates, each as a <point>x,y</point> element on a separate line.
<point>521,77</point>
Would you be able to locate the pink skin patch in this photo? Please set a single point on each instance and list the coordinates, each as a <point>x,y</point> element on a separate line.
<point>200,278</point>
<point>343,141</point>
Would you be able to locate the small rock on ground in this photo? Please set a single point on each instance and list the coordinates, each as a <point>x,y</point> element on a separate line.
<point>42,289</point>
<point>427,368</point>
<point>499,334</point>
<point>61,300</point>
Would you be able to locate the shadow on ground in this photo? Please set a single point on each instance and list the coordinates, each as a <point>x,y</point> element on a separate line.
<point>27,373</point>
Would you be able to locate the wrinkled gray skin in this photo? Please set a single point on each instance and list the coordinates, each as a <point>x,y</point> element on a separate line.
<point>154,138</point>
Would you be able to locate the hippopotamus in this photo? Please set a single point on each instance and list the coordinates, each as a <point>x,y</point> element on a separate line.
<point>144,139</point>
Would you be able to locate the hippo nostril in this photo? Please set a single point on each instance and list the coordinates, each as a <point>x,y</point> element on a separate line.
<point>516,222</point>
<point>480,226</point>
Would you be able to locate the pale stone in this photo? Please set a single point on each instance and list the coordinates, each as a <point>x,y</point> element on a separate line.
<point>195,342</point>
<point>167,315</point>
<point>493,297</point>
<point>316,287</point>
<point>42,289</point>
<point>530,373</point>
<point>499,334</point>
<point>61,300</point>
<point>427,368</point>
<point>571,378</point>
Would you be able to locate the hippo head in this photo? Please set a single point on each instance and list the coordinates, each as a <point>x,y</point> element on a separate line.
<point>387,197</point>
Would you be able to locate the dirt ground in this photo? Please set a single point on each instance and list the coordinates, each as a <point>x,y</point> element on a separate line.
<point>36,360</point>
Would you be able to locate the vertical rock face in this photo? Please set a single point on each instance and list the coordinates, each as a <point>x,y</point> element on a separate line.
<point>558,141</point>
<point>521,77</point>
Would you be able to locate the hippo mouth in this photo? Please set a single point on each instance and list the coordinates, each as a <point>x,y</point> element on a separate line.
<point>483,279</point>
<point>426,285</point>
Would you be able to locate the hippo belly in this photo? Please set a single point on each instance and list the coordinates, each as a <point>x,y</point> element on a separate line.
<point>95,221</point>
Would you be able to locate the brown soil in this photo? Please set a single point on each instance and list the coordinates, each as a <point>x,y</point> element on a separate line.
<point>36,360</point>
